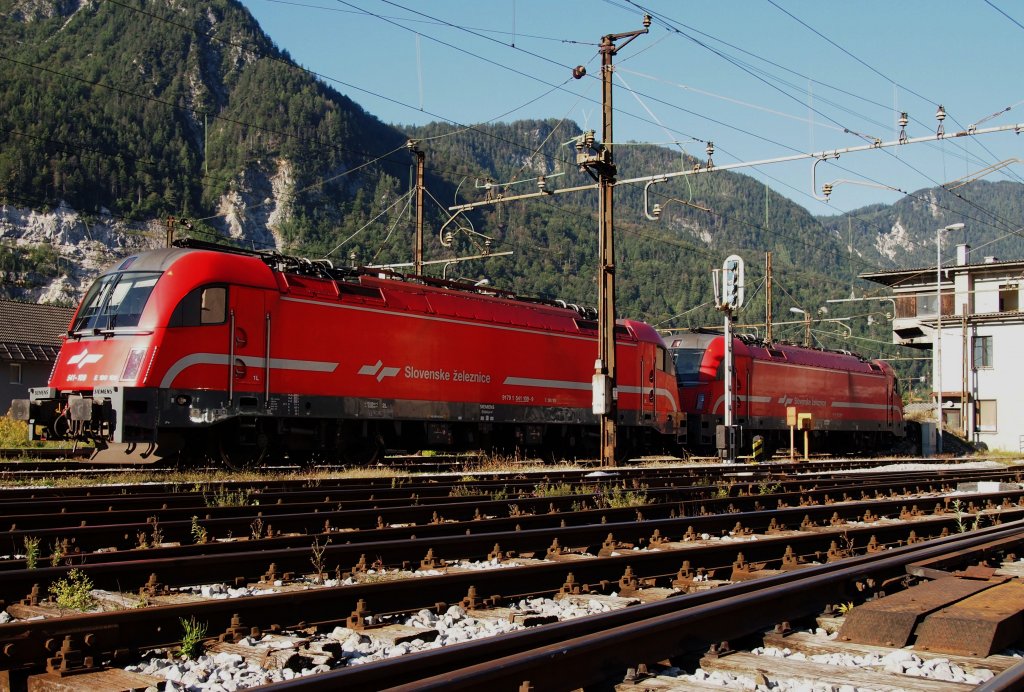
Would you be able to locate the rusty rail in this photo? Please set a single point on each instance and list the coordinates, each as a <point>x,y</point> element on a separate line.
<point>599,649</point>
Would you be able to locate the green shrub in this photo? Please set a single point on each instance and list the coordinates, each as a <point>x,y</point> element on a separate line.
<point>192,637</point>
<point>31,552</point>
<point>73,592</point>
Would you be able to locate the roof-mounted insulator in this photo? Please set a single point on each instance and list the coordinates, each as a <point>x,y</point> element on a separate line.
<point>487,246</point>
<point>940,115</point>
<point>903,127</point>
<point>588,139</point>
<point>542,184</point>
<point>710,149</point>
<point>448,238</point>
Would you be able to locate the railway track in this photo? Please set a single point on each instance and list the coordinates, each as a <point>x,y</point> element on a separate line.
<point>605,648</point>
<point>44,462</point>
<point>393,547</point>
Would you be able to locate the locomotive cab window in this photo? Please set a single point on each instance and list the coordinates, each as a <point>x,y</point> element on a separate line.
<point>116,300</point>
<point>202,306</point>
<point>664,362</point>
<point>687,364</point>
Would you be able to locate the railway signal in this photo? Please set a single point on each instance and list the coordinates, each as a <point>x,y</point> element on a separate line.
<point>729,299</point>
<point>732,282</point>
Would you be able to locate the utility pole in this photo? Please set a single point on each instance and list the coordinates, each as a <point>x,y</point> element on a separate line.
<point>413,147</point>
<point>768,297</point>
<point>598,162</point>
<point>963,373</point>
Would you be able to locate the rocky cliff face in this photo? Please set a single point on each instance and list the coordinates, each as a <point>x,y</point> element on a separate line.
<point>83,246</point>
<point>257,204</point>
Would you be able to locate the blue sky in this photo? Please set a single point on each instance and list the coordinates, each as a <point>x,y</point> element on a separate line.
<point>760,78</point>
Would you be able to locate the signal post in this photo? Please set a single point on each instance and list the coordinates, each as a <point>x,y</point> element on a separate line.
<point>729,300</point>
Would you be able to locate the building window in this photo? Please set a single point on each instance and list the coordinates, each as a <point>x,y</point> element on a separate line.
<point>985,410</point>
<point>1009,298</point>
<point>906,306</point>
<point>982,352</point>
<point>15,373</point>
<point>926,305</point>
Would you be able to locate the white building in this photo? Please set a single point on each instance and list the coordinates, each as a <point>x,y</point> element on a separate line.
<point>982,340</point>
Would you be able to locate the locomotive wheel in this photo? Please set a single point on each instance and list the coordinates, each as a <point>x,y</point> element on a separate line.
<point>624,451</point>
<point>363,452</point>
<point>236,457</point>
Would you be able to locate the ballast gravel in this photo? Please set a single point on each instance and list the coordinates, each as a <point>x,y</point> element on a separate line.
<point>898,662</point>
<point>223,671</point>
<point>230,671</point>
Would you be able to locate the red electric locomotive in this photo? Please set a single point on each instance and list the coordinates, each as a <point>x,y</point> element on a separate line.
<point>852,404</point>
<point>201,350</point>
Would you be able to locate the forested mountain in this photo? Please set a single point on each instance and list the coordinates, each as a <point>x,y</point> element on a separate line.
<point>120,113</point>
<point>903,234</point>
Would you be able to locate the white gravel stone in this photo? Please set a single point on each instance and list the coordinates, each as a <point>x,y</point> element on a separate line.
<point>172,673</point>
<point>226,659</point>
<point>983,674</point>
<point>943,671</point>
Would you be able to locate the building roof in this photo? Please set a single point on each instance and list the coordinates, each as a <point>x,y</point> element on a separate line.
<point>898,276</point>
<point>31,332</point>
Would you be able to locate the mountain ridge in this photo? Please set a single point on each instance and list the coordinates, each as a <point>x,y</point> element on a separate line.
<point>115,124</point>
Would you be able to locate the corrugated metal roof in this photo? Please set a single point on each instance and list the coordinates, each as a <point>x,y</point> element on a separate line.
<point>29,331</point>
<point>893,276</point>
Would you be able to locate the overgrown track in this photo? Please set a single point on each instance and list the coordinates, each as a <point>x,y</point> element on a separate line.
<point>42,463</point>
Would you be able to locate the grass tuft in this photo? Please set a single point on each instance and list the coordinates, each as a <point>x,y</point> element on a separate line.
<point>192,637</point>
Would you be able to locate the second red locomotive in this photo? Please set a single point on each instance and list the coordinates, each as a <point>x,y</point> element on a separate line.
<point>852,404</point>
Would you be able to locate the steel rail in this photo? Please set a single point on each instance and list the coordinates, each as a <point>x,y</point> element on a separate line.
<point>102,503</point>
<point>596,650</point>
<point>92,531</point>
<point>26,642</point>
<point>392,546</point>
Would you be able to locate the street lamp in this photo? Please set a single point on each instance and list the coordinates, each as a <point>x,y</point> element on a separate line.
<point>807,324</point>
<point>938,330</point>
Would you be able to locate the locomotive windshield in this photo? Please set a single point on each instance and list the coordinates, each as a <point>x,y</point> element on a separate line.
<point>115,300</point>
<point>687,362</point>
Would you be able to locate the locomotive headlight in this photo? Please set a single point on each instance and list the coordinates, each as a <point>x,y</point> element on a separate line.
<point>183,400</point>
<point>133,364</point>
